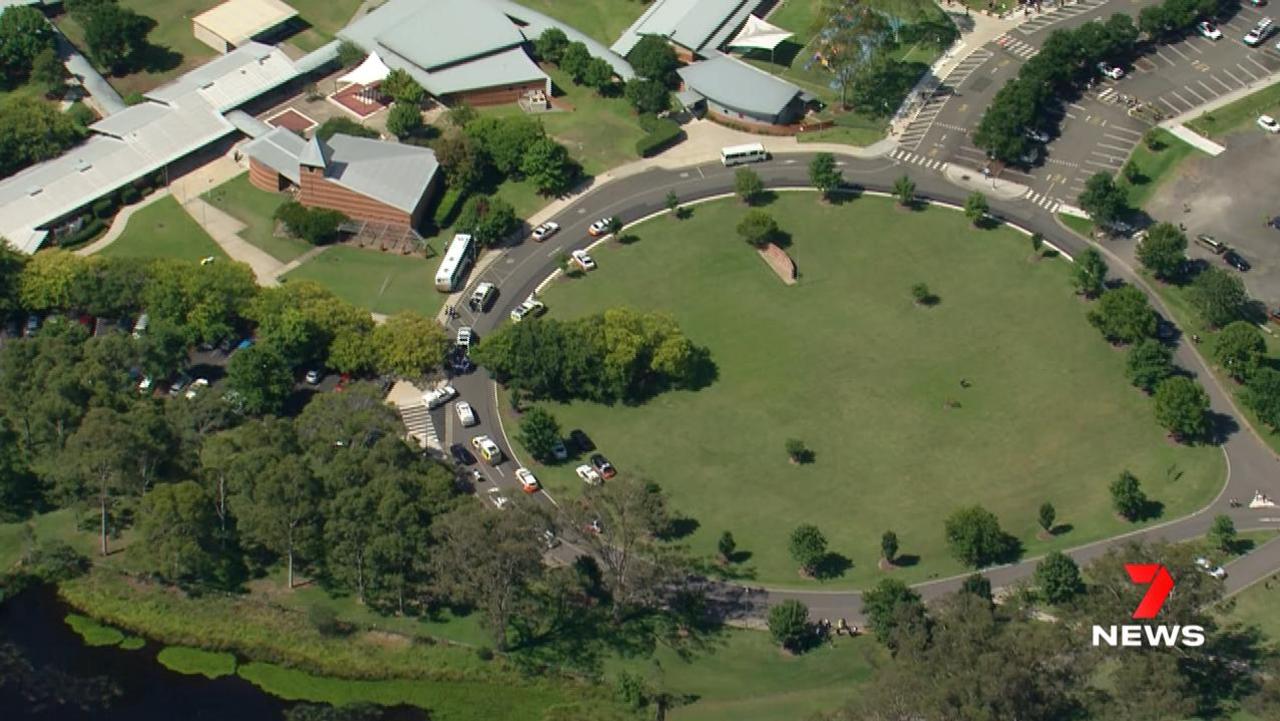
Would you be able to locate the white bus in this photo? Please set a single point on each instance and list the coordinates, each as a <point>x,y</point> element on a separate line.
<point>735,154</point>
<point>457,260</point>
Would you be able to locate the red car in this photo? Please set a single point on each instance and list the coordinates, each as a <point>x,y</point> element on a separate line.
<point>343,380</point>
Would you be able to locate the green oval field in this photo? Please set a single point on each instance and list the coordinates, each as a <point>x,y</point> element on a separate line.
<point>871,382</point>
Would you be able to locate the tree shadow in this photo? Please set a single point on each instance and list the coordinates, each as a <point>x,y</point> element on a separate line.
<point>739,557</point>
<point>1061,529</point>
<point>1151,509</point>
<point>781,238</point>
<point>703,370</point>
<point>684,212</point>
<point>906,560</point>
<point>155,59</point>
<point>679,527</point>
<point>763,198</point>
<point>832,565</point>
<point>627,238</point>
<point>1220,427</point>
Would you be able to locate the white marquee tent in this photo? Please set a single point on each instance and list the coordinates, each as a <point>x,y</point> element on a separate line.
<point>371,71</point>
<point>757,33</point>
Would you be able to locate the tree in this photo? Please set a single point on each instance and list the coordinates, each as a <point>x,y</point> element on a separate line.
<point>317,226</point>
<point>1127,497</point>
<point>48,72</point>
<point>12,265</point>
<point>115,35</point>
<point>19,490</point>
<point>904,189</point>
<point>404,120</point>
<point>1238,348</point>
<point>975,537</point>
<point>1262,396</point>
<point>24,35</point>
<point>95,464</point>
<point>976,208</point>
<point>758,228</point>
<point>853,42</point>
<point>977,585</point>
<point>1218,296</point>
<point>32,132</point>
<point>349,54</point>
<point>1090,273</point>
<point>889,546</point>
<point>461,115</point>
<point>1150,686</point>
<point>1222,534</point>
<point>1048,514</point>
<point>175,524</point>
<point>278,510</point>
<point>797,452</point>
<point>1124,315</point>
<point>1103,199</point>
<point>504,140</point>
<point>488,219</point>
<point>50,280</point>
<point>1149,362</point>
<point>922,295</point>
<point>1163,251</point>
<point>462,159</point>
<point>1058,577</point>
<point>824,174</point>
<point>1181,405</point>
<point>892,608</point>
<point>574,60</point>
<point>789,625</point>
<point>672,202</point>
<point>599,75</point>
<point>402,88</point>
<point>726,546</point>
<point>748,186</point>
<point>260,378</point>
<point>539,433</point>
<point>550,44</point>
<point>808,548</point>
<point>344,125</point>
<point>646,96</point>
<point>546,164</point>
<point>653,58</point>
<point>409,344</point>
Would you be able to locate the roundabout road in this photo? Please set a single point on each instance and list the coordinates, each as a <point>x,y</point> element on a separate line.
<point>1251,465</point>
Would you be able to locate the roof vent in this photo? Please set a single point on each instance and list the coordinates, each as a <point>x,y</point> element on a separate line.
<point>83,165</point>
<point>34,190</point>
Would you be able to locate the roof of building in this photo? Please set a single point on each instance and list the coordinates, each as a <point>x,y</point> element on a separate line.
<point>533,24</point>
<point>179,118</point>
<point>734,84</point>
<point>239,21</point>
<point>388,172</point>
<point>695,24</point>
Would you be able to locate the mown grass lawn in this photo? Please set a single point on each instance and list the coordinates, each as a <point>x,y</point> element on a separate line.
<point>256,209</point>
<point>1242,113</point>
<point>603,20</point>
<point>1256,606</point>
<point>163,230</point>
<point>323,18</point>
<point>381,282</point>
<point>1154,166</point>
<point>196,661</point>
<point>845,362</point>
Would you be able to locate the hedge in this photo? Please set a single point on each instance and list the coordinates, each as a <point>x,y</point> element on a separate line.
<point>90,229</point>
<point>450,204</point>
<point>104,207</point>
<point>662,133</point>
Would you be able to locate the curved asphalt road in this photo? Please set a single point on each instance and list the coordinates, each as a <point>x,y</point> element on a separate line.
<point>521,267</point>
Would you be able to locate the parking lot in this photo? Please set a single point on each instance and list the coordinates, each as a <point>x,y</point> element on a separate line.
<point>1097,131</point>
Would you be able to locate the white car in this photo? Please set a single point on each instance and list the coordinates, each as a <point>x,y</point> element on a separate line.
<point>498,500</point>
<point>1268,123</point>
<point>546,230</point>
<point>589,475</point>
<point>1207,566</point>
<point>145,384</point>
<point>1038,136</point>
<point>466,414</point>
<point>1209,30</point>
<point>487,449</point>
<point>529,307</point>
<point>583,260</point>
<point>1115,72</point>
<point>313,377</point>
<point>440,396</point>
<point>528,482</point>
<point>196,386</point>
<point>600,227</point>
<point>464,336</point>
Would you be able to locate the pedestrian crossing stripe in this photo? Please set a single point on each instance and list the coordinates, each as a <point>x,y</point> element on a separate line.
<point>1044,201</point>
<point>907,156</point>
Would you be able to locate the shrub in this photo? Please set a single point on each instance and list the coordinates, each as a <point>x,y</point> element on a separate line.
<point>314,225</point>
<point>484,653</point>
<point>662,133</point>
<point>104,207</point>
<point>129,195</point>
<point>449,205</point>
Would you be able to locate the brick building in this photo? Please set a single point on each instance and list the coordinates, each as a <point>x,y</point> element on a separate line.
<point>365,179</point>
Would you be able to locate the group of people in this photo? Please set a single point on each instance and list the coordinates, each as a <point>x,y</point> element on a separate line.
<point>841,628</point>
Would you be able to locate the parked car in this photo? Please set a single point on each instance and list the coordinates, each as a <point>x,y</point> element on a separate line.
<point>1208,242</point>
<point>528,482</point>
<point>600,227</point>
<point>313,377</point>
<point>1211,568</point>
<point>179,384</point>
<point>1207,29</point>
<point>498,500</point>
<point>464,337</point>
<point>603,466</point>
<point>1268,123</point>
<point>588,475</point>
<point>549,538</point>
<point>1115,72</point>
<point>488,450</point>
<point>459,362</point>
<point>146,385</point>
<point>530,307</point>
<point>466,414</point>
<point>461,455</point>
<point>544,231</point>
<point>196,386</point>
<point>580,441</point>
<point>1235,260</point>
<point>1038,136</point>
<point>583,260</point>
<point>482,296</point>
<point>1259,32</point>
<point>440,396</point>
<point>559,451</point>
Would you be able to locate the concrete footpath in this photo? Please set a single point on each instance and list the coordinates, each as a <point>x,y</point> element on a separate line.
<point>1177,124</point>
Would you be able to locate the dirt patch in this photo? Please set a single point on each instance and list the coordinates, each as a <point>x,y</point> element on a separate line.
<point>886,565</point>
<point>386,639</point>
<point>780,262</point>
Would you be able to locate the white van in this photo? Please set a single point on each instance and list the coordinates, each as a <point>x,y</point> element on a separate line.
<point>738,154</point>
<point>140,326</point>
<point>481,296</point>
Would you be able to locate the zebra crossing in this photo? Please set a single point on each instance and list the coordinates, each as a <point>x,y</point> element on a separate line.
<point>1058,14</point>
<point>923,120</point>
<point>1042,200</point>
<point>1017,47</point>
<point>906,156</point>
<point>963,69</point>
<point>417,419</point>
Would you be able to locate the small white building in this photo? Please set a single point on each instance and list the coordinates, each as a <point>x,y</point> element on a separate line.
<point>236,22</point>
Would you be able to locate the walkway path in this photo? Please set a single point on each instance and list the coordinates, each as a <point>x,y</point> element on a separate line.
<point>120,222</point>
<point>293,264</point>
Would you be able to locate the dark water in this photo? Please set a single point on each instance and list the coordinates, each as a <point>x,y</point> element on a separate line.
<point>56,664</point>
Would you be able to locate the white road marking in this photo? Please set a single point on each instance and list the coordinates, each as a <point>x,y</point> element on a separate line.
<point>1193,92</point>
<point>1233,77</point>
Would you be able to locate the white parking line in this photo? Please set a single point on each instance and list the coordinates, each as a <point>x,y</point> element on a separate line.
<point>1174,49</point>
<point>1181,99</point>
<point>1261,67</point>
<point>1176,110</point>
<point>1193,92</point>
<point>1246,71</point>
<point>1113,147</point>
<point>1233,77</point>
<point>1167,60</point>
<point>1208,89</point>
<point>1077,106</point>
<point>1191,45</point>
<point>1134,133</point>
<point>1069,115</point>
<point>1215,79</point>
<point>1102,165</point>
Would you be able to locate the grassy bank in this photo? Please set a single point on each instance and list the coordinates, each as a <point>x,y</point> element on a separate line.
<point>1154,167</point>
<point>1240,114</point>
<point>256,209</point>
<point>381,282</point>
<point>94,633</point>
<point>197,662</point>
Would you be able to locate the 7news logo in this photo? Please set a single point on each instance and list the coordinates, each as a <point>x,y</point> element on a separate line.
<point>1159,585</point>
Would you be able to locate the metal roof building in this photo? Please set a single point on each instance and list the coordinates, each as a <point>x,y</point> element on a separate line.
<point>700,26</point>
<point>177,120</point>
<point>236,22</point>
<point>448,46</point>
<point>739,91</point>
<point>534,23</point>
